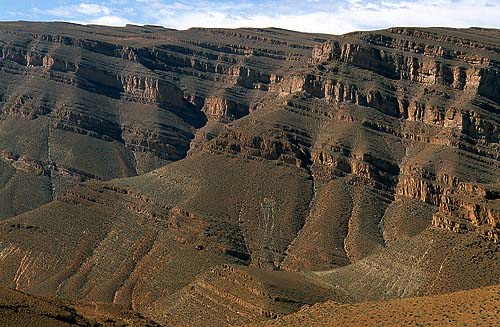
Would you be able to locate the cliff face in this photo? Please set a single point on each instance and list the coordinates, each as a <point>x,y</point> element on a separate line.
<point>131,100</point>
<point>278,150</point>
<point>402,73</point>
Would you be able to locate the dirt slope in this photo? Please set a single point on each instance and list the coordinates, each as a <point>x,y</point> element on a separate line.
<point>19,309</point>
<point>478,307</point>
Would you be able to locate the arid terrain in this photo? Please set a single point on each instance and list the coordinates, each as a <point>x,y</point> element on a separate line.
<point>478,307</point>
<point>248,177</point>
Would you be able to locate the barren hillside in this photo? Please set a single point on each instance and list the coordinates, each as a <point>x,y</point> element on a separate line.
<point>217,177</point>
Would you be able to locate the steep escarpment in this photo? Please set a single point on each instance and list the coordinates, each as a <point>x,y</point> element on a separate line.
<point>118,104</point>
<point>422,83</point>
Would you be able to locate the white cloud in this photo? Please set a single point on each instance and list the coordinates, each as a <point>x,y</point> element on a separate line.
<point>325,16</point>
<point>354,15</point>
<point>92,9</point>
<point>313,22</point>
<point>109,20</point>
<point>73,11</point>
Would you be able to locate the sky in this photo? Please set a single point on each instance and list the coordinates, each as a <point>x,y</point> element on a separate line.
<point>320,16</point>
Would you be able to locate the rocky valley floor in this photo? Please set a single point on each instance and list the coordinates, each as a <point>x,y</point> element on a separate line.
<point>217,177</point>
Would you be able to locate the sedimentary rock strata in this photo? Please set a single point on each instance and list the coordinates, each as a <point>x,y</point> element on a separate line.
<point>204,174</point>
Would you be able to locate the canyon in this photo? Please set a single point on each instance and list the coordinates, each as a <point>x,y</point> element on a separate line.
<point>233,177</point>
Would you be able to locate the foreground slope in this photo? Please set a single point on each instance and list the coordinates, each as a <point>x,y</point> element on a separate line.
<point>478,307</point>
<point>19,309</point>
<point>350,168</point>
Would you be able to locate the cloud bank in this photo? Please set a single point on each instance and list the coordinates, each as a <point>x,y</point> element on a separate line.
<point>320,16</point>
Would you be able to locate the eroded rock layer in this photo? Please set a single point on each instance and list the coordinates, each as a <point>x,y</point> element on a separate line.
<point>95,103</point>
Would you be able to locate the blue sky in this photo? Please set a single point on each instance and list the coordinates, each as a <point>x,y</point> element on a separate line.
<point>325,16</point>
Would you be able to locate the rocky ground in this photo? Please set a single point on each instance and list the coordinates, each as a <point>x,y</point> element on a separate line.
<point>477,307</point>
<point>19,309</point>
